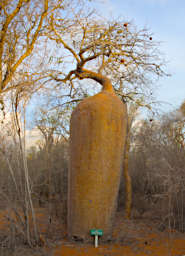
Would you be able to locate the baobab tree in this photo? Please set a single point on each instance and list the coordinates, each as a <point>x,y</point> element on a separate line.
<point>114,54</point>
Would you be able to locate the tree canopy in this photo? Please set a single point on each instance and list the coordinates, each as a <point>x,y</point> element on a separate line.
<point>115,49</point>
<point>57,44</point>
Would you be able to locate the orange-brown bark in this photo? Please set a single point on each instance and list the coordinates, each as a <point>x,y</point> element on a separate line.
<point>128,183</point>
<point>103,80</point>
<point>98,128</point>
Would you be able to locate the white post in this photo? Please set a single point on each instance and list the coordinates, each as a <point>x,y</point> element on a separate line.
<point>96,241</point>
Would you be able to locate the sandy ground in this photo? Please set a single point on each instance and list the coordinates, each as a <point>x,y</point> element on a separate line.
<point>136,237</point>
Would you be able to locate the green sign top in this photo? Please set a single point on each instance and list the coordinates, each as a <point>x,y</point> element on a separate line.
<point>96,232</point>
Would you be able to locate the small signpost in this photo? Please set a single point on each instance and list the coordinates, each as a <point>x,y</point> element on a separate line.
<point>96,233</point>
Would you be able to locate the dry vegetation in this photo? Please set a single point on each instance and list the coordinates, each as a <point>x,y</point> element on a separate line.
<point>156,165</point>
<point>50,47</point>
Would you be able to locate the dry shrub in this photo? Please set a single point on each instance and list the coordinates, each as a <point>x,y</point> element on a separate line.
<point>13,205</point>
<point>156,166</point>
<point>50,194</point>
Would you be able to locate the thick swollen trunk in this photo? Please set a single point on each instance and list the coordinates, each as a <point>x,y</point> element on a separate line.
<point>97,137</point>
<point>128,184</point>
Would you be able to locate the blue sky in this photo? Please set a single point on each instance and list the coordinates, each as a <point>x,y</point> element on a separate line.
<point>166,20</point>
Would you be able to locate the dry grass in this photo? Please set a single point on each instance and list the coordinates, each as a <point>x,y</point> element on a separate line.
<point>136,237</point>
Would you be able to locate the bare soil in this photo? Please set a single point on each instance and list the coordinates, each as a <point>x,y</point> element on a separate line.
<point>136,237</point>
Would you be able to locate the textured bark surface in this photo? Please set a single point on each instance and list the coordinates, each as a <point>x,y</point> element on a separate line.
<point>98,128</point>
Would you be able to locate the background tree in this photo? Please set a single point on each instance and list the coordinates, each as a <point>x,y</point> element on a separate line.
<point>132,113</point>
<point>156,167</point>
<point>50,124</point>
<point>23,42</point>
<point>21,23</point>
